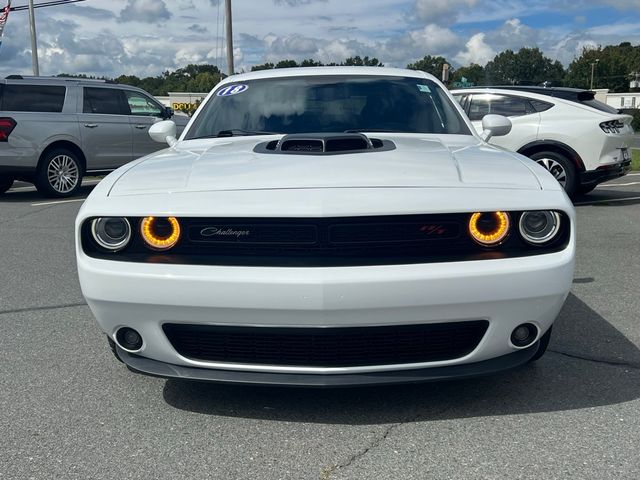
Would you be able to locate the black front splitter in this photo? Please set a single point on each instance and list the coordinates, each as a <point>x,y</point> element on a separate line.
<point>166,370</point>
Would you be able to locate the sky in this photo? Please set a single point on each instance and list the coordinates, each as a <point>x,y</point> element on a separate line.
<point>147,37</point>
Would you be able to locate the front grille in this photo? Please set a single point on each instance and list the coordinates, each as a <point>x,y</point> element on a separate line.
<point>325,242</point>
<point>326,347</point>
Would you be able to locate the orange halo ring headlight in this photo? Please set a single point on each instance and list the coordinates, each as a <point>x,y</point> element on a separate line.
<point>160,233</point>
<point>489,229</point>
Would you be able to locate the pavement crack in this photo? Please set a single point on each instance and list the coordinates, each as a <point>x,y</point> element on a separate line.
<point>633,365</point>
<point>376,442</point>
<point>48,307</point>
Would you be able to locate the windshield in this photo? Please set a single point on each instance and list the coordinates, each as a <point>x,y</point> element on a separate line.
<point>328,104</point>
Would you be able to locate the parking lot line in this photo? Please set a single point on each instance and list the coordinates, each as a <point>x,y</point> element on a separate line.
<point>618,184</point>
<point>41,204</point>
<point>611,200</point>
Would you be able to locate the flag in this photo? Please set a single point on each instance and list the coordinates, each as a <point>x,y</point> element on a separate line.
<point>4,14</point>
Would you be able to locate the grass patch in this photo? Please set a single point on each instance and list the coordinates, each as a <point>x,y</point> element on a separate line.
<point>635,159</point>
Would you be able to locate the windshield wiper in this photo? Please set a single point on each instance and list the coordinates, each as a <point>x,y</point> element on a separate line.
<point>388,130</point>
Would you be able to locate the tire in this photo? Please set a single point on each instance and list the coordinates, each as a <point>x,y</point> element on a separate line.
<point>543,343</point>
<point>59,174</point>
<point>560,167</point>
<point>5,184</point>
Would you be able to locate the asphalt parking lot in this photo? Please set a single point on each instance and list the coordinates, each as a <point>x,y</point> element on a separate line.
<point>69,410</point>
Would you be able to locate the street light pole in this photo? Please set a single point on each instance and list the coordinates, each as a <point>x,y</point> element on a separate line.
<point>227,5</point>
<point>593,67</point>
<point>34,43</point>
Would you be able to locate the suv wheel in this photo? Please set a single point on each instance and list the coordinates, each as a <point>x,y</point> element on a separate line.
<point>59,174</point>
<point>560,167</point>
<point>5,184</point>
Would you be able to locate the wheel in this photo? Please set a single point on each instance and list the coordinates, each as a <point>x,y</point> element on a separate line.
<point>59,174</point>
<point>560,167</point>
<point>543,343</point>
<point>5,184</point>
<point>584,189</point>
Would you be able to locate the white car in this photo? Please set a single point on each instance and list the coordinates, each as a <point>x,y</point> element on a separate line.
<point>327,226</point>
<point>581,141</point>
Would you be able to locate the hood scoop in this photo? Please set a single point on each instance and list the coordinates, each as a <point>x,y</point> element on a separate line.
<point>324,144</point>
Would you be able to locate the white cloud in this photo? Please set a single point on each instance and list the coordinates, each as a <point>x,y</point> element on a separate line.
<point>438,11</point>
<point>477,51</point>
<point>147,11</point>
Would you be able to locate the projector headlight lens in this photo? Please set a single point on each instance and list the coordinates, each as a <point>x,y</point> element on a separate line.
<point>111,233</point>
<point>540,226</point>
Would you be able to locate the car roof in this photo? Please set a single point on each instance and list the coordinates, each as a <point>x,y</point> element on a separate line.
<point>571,94</point>
<point>324,71</point>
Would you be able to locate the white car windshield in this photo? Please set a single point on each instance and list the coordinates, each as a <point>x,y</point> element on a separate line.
<point>315,104</point>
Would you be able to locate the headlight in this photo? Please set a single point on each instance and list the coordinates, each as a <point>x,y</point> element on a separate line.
<point>540,226</point>
<point>160,233</point>
<point>490,228</point>
<point>111,233</point>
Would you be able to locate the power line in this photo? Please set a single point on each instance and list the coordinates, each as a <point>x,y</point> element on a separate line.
<point>50,3</point>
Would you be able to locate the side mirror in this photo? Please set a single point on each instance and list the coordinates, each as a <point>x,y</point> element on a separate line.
<point>164,131</point>
<point>494,126</point>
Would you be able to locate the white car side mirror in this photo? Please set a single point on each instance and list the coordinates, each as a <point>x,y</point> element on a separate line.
<point>164,132</point>
<point>494,126</point>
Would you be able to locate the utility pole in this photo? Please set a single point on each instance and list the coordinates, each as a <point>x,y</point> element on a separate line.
<point>230,69</point>
<point>34,42</point>
<point>593,67</point>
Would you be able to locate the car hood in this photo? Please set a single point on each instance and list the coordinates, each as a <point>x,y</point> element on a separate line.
<point>417,161</point>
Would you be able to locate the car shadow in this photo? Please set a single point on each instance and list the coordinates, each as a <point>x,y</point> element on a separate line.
<point>603,197</point>
<point>589,364</point>
<point>32,196</point>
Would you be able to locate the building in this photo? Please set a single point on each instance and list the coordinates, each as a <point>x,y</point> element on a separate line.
<point>183,101</point>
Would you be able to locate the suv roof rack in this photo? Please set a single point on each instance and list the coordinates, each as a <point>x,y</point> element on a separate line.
<point>69,79</point>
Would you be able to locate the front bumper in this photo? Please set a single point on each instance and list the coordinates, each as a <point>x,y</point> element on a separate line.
<point>505,292</point>
<point>165,370</point>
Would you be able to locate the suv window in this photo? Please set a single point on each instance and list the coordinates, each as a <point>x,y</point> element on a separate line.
<point>32,98</point>
<point>109,101</point>
<point>540,106</point>
<point>485,103</point>
<point>140,104</point>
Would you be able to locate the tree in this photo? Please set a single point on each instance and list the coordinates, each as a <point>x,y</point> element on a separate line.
<point>612,66</point>
<point>429,64</point>
<point>526,67</point>
<point>474,73</point>
<point>264,66</point>
<point>362,62</point>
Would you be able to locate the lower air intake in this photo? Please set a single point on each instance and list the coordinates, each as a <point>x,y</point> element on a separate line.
<point>327,347</point>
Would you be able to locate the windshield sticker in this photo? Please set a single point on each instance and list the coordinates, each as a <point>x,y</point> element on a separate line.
<point>232,90</point>
<point>424,88</point>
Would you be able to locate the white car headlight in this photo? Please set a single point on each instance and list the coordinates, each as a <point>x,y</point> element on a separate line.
<point>111,233</point>
<point>539,227</point>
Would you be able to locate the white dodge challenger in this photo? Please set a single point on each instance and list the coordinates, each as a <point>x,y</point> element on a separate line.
<point>327,227</point>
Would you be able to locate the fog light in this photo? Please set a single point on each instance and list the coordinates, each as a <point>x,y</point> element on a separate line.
<point>524,335</point>
<point>129,339</point>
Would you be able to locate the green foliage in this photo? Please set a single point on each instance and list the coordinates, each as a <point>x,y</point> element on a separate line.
<point>635,159</point>
<point>429,64</point>
<point>612,66</point>
<point>474,73</point>
<point>528,66</point>
<point>310,62</point>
